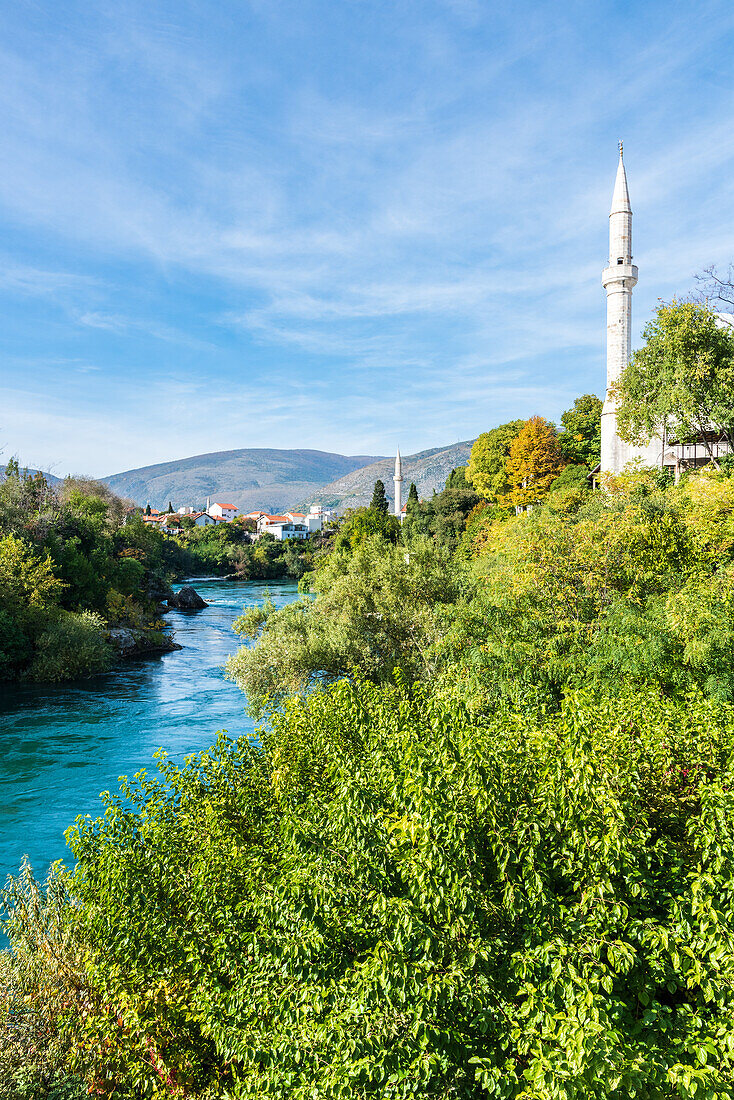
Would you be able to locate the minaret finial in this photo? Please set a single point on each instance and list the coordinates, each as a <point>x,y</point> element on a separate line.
<point>621,151</point>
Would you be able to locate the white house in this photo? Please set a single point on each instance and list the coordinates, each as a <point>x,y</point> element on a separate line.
<point>224,511</point>
<point>287,530</point>
<point>316,518</point>
<point>264,521</point>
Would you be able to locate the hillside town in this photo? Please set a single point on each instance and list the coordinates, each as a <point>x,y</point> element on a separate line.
<point>289,525</point>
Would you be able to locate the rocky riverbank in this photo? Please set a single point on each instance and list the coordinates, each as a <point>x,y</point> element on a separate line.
<point>129,642</point>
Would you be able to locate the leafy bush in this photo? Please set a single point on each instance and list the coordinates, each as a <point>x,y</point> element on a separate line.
<point>391,897</point>
<point>379,609</point>
<point>40,979</point>
<point>72,645</point>
<point>635,584</point>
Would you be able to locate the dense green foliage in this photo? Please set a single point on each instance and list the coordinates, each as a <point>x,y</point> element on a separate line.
<point>580,440</point>
<point>74,561</point>
<point>443,518</point>
<point>482,846</point>
<point>393,896</point>
<point>228,548</point>
<point>681,379</point>
<point>635,585</point>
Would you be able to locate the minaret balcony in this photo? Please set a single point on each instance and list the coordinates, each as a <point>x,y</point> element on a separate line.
<point>623,275</point>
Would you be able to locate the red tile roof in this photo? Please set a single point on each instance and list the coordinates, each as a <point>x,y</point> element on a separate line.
<point>220,505</point>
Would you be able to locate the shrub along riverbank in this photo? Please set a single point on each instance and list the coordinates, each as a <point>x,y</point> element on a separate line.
<point>227,550</point>
<point>483,845</point>
<point>75,563</point>
<point>79,569</point>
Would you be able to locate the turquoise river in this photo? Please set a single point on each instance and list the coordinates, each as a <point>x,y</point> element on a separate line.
<point>61,745</point>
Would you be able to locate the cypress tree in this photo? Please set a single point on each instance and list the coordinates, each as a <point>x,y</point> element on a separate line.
<point>379,500</point>
<point>412,496</point>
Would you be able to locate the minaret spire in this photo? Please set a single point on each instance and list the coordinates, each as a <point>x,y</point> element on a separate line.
<point>621,196</point>
<point>398,483</point>
<point>618,279</point>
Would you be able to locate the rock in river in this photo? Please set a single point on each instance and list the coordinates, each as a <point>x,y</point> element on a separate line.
<point>128,642</point>
<point>187,599</point>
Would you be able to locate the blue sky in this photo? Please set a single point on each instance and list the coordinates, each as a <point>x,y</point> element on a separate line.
<point>342,225</point>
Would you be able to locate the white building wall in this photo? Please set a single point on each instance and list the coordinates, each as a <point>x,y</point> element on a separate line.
<point>225,513</point>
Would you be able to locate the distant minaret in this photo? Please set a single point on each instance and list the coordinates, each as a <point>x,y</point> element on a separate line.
<point>618,279</point>
<point>398,483</point>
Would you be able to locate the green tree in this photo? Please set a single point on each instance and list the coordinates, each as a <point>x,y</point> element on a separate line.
<point>362,523</point>
<point>379,501</point>
<point>29,595</point>
<point>580,440</point>
<point>27,580</point>
<point>148,511</point>
<point>681,380</point>
<point>377,610</point>
<point>486,470</point>
<point>412,500</point>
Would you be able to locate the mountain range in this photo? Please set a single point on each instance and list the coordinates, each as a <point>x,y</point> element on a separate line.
<point>250,478</point>
<point>275,480</point>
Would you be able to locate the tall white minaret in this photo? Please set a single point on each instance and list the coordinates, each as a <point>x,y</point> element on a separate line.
<point>618,279</point>
<point>398,483</point>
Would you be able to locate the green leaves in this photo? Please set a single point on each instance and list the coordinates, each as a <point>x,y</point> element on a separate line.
<point>379,610</point>
<point>390,897</point>
<point>681,379</point>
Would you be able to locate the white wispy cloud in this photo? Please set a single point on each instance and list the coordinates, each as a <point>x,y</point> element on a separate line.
<point>436,235</point>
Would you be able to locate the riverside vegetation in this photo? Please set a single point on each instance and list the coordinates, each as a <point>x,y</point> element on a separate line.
<point>74,563</point>
<point>77,562</point>
<point>482,847</point>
